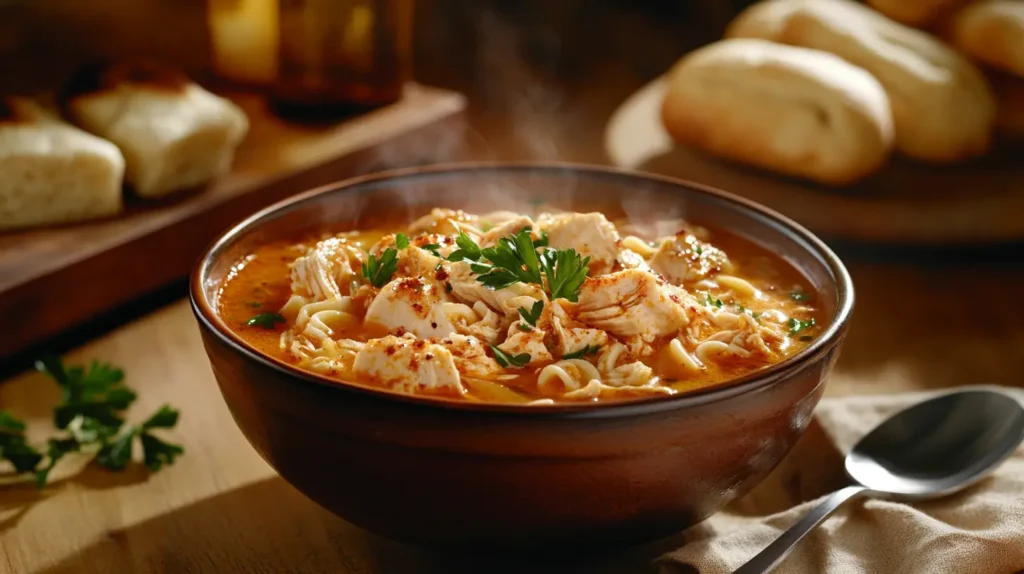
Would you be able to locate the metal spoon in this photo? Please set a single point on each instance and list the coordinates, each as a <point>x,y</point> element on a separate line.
<point>929,450</point>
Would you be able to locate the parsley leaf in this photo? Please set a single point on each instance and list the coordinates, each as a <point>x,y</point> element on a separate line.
<point>467,249</point>
<point>14,447</point>
<point>514,259</point>
<point>432,248</point>
<point>401,241</point>
<point>713,302</point>
<point>90,412</point>
<point>542,241</point>
<point>506,360</point>
<point>587,350</point>
<point>796,325</point>
<point>265,320</point>
<point>799,295</point>
<point>98,393</point>
<point>565,271</point>
<point>532,316</point>
<point>379,271</point>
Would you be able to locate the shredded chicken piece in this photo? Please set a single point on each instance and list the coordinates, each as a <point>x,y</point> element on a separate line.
<point>409,365</point>
<point>411,305</point>
<point>590,234</point>
<point>633,302</point>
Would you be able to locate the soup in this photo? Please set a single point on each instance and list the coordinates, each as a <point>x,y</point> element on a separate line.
<point>505,307</point>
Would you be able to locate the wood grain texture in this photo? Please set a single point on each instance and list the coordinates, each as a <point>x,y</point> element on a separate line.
<point>905,203</point>
<point>220,508</point>
<point>115,260</point>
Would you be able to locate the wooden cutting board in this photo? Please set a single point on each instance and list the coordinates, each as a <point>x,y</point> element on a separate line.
<point>54,278</point>
<point>905,203</point>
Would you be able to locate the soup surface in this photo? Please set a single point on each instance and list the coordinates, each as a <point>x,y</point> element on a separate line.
<point>510,308</point>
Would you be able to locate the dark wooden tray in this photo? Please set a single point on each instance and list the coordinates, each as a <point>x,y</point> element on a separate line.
<point>55,278</point>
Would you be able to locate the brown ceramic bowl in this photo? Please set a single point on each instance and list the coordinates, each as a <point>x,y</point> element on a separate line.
<point>445,472</point>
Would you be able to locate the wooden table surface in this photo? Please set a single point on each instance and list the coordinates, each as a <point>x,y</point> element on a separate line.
<point>922,321</point>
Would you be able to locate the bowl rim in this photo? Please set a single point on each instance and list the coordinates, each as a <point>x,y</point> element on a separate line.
<point>751,382</point>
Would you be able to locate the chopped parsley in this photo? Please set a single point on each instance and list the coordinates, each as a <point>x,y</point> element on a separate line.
<point>401,241</point>
<point>742,309</point>
<point>265,320</point>
<point>506,360</point>
<point>799,295</point>
<point>530,317</point>
<point>432,248</point>
<point>796,325</point>
<point>587,350</point>
<point>378,271</point>
<point>712,302</point>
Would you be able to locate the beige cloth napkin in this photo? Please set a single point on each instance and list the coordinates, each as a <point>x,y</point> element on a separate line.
<point>977,531</point>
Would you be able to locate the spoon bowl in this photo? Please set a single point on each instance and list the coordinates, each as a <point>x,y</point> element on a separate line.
<point>926,451</point>
<point>939,446</point>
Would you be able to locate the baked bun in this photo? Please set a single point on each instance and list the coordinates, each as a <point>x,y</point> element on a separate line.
<point>173,133</point>
<point>917,13</point>
<point>765,20</point>
<point>795,111</point>
<point>53,172</point>
<point>991,32</point>
<point>942,105</point>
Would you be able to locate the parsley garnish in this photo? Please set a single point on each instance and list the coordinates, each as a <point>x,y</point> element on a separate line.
<point>542,241</point>
<point>265,320</point>
<point>401,241</point>
<point>432,248</point>
<point>799,296</point>
<point>742,309</point>
<point>530,317</point>
<point>796,325</point>
<point>506,360</point>
<point>698,250</point>
<point>566,271</point>
<point>587,350</point>
<point>514,259</point>
<point>90,416</point>
<point>713,302</point>
<point>379,271</point>
<point>467,249</point>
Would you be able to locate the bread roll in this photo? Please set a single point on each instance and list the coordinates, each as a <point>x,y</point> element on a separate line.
<point>795,111</point>
<point>992,32</point>
<point>53,172</point>
<point>942,105</point>
<point>765,20</point>
<point>918,13</point>
<point>173,133</point>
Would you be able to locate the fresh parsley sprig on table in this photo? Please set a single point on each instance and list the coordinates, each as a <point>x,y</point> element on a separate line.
<point>89,416</point>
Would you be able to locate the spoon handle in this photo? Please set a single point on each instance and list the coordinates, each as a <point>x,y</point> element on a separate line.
<point>766,560</point>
